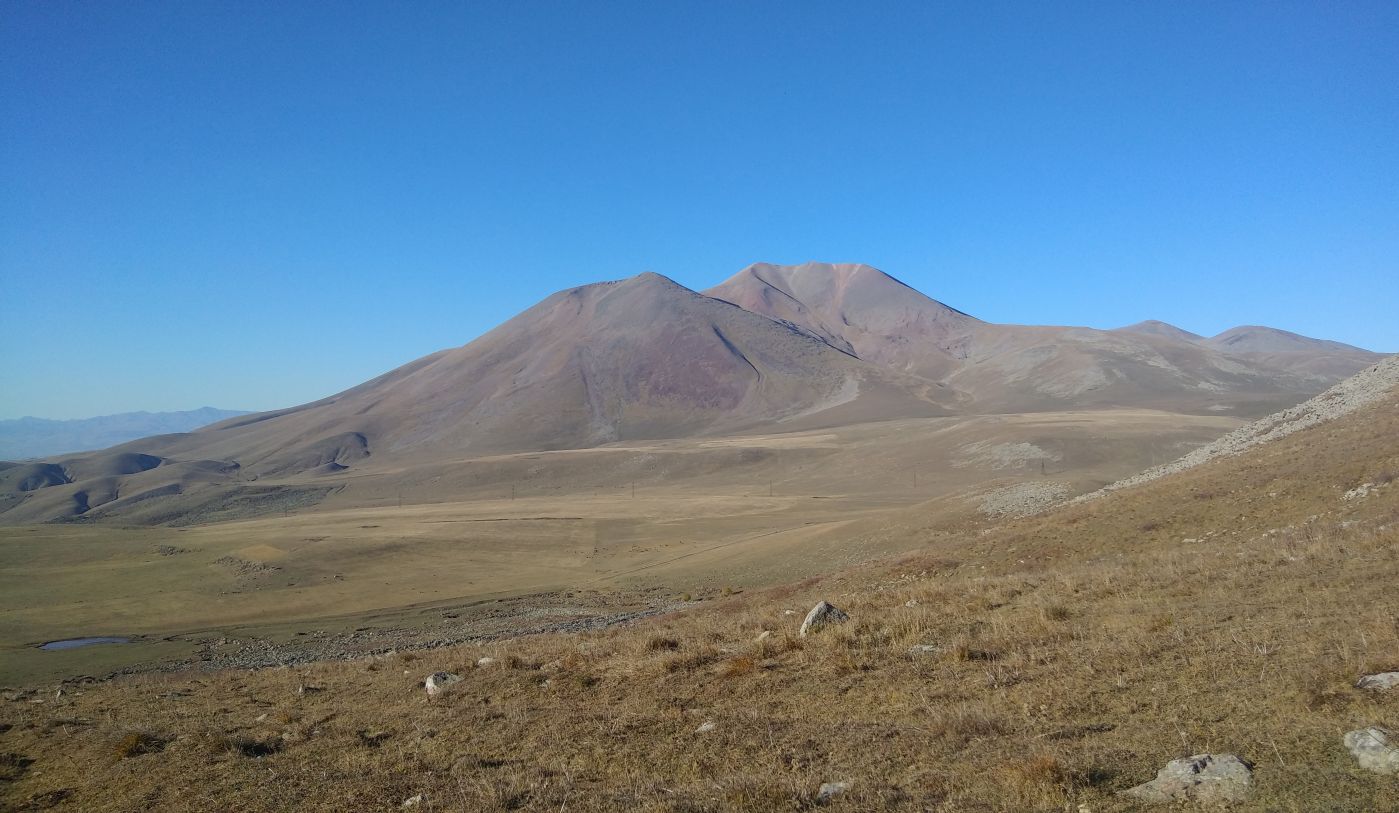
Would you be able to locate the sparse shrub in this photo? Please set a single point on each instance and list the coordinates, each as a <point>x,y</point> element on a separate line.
<point>690,661</point>
<point>1055,612</point>
<point>13,766</point>
<point>138,743</point>
<point>733,667</point>
<point>659,643</point>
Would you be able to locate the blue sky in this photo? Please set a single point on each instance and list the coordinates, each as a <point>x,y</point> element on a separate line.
<point>254,205</point>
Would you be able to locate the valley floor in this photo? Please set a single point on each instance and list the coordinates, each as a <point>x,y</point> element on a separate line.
<point>1067,656</point>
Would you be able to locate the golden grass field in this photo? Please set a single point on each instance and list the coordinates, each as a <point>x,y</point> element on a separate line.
<point>682,517</point>
<point>1226,609</point>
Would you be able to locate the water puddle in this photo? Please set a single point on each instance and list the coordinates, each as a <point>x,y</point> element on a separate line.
<point>74,643</point>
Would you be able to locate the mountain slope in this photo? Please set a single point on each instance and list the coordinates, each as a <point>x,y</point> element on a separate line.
<point>35,437</point>
<point>1012,368</point>
<point>641,358</point>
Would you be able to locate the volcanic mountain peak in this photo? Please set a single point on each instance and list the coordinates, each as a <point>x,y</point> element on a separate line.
<point>1155,327</point>
<point>1260,339</point>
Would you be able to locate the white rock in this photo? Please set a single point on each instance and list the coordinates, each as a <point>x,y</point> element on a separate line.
<point>706,727</point>
<point>913,602</point>
<point>1374,749</point>
<point>822,614</point>
<point>789,612</point>
<point>437,682</point>
<point>1381,681</point>
<point>830,790</point>
<point>1205,778</point>
<point>763,636</point>
<point>411,801</point>
<point>924,649</point>
<point>484,662</point>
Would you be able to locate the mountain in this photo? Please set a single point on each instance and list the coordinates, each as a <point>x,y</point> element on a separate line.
<point>1016,368</point>
<point>775,348</point>
<point>36,437</point>
<point>636,359</point>
<point>1155,327</point>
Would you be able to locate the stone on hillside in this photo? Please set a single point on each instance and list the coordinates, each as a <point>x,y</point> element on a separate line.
<point>484,662</point>
<point>830,790</point>
<point>918,650</point>
<point>1205,778</point>
<point>763,636</point>
<point>437,682</point>
<point>706,727</point>
<point>822,614</point>
<point>913,602</point>
<point>1374,749</point>
<point>1381,681</point>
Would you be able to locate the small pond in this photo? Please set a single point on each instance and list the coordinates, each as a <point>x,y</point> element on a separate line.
<point>74,643</point>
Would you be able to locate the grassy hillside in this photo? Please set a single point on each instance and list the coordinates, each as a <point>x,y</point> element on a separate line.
<point>1229,608</point>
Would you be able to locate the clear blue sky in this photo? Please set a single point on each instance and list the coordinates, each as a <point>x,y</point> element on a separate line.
<point>253,205</point>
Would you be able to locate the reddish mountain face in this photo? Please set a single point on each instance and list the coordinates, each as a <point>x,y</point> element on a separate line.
<point>1015,368</point>
<point>775,347</point>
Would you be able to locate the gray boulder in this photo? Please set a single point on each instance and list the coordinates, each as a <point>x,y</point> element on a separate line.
<point>830,790</point>
<point>1374,749</point>
<point>1379,682</point>
<point>1205,778</point>
<point>437,682</point>
<point>822,614</point>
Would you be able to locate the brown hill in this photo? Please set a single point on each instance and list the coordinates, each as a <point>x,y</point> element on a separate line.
<point>636,359</point>
<point>775,348</point>
<point>1015,368</point>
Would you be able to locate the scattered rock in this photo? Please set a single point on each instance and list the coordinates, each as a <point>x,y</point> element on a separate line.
<point>1379,682</point>
<point>913,602</point>
<point>830,790</point>
<point>438,682</point>
<point>482,663</point>
<point>706,727</point>
<point>411,801</point>
<point>1207,778</point>
<point>789,612</point>
<point>1373,749</point>
<point>918,650</point>
<point>822,614</point>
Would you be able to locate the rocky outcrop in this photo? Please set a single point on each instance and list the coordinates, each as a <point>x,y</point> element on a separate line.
<point>1360,390</point>
<point>1204,778</point>
<point>438,682</point>
<point>1382,681</point>
<point>1374,749</point>
<point>822,615</point>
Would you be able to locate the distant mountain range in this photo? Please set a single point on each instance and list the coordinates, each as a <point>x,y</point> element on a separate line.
<point>774,348</point>
<point>39,437</point>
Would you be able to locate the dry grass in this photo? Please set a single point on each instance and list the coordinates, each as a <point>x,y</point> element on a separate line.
<point>1077,653</point>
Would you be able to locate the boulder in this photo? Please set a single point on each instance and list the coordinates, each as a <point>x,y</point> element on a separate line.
<point>1204,778</point>
<point>822,614</point>
<point>437,682</point>
<point>1379,682</point>
<point>830,790</point>
<point>1374,749</point>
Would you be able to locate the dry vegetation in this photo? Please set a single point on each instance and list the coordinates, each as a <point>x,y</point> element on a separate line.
<point>1227,609</point>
